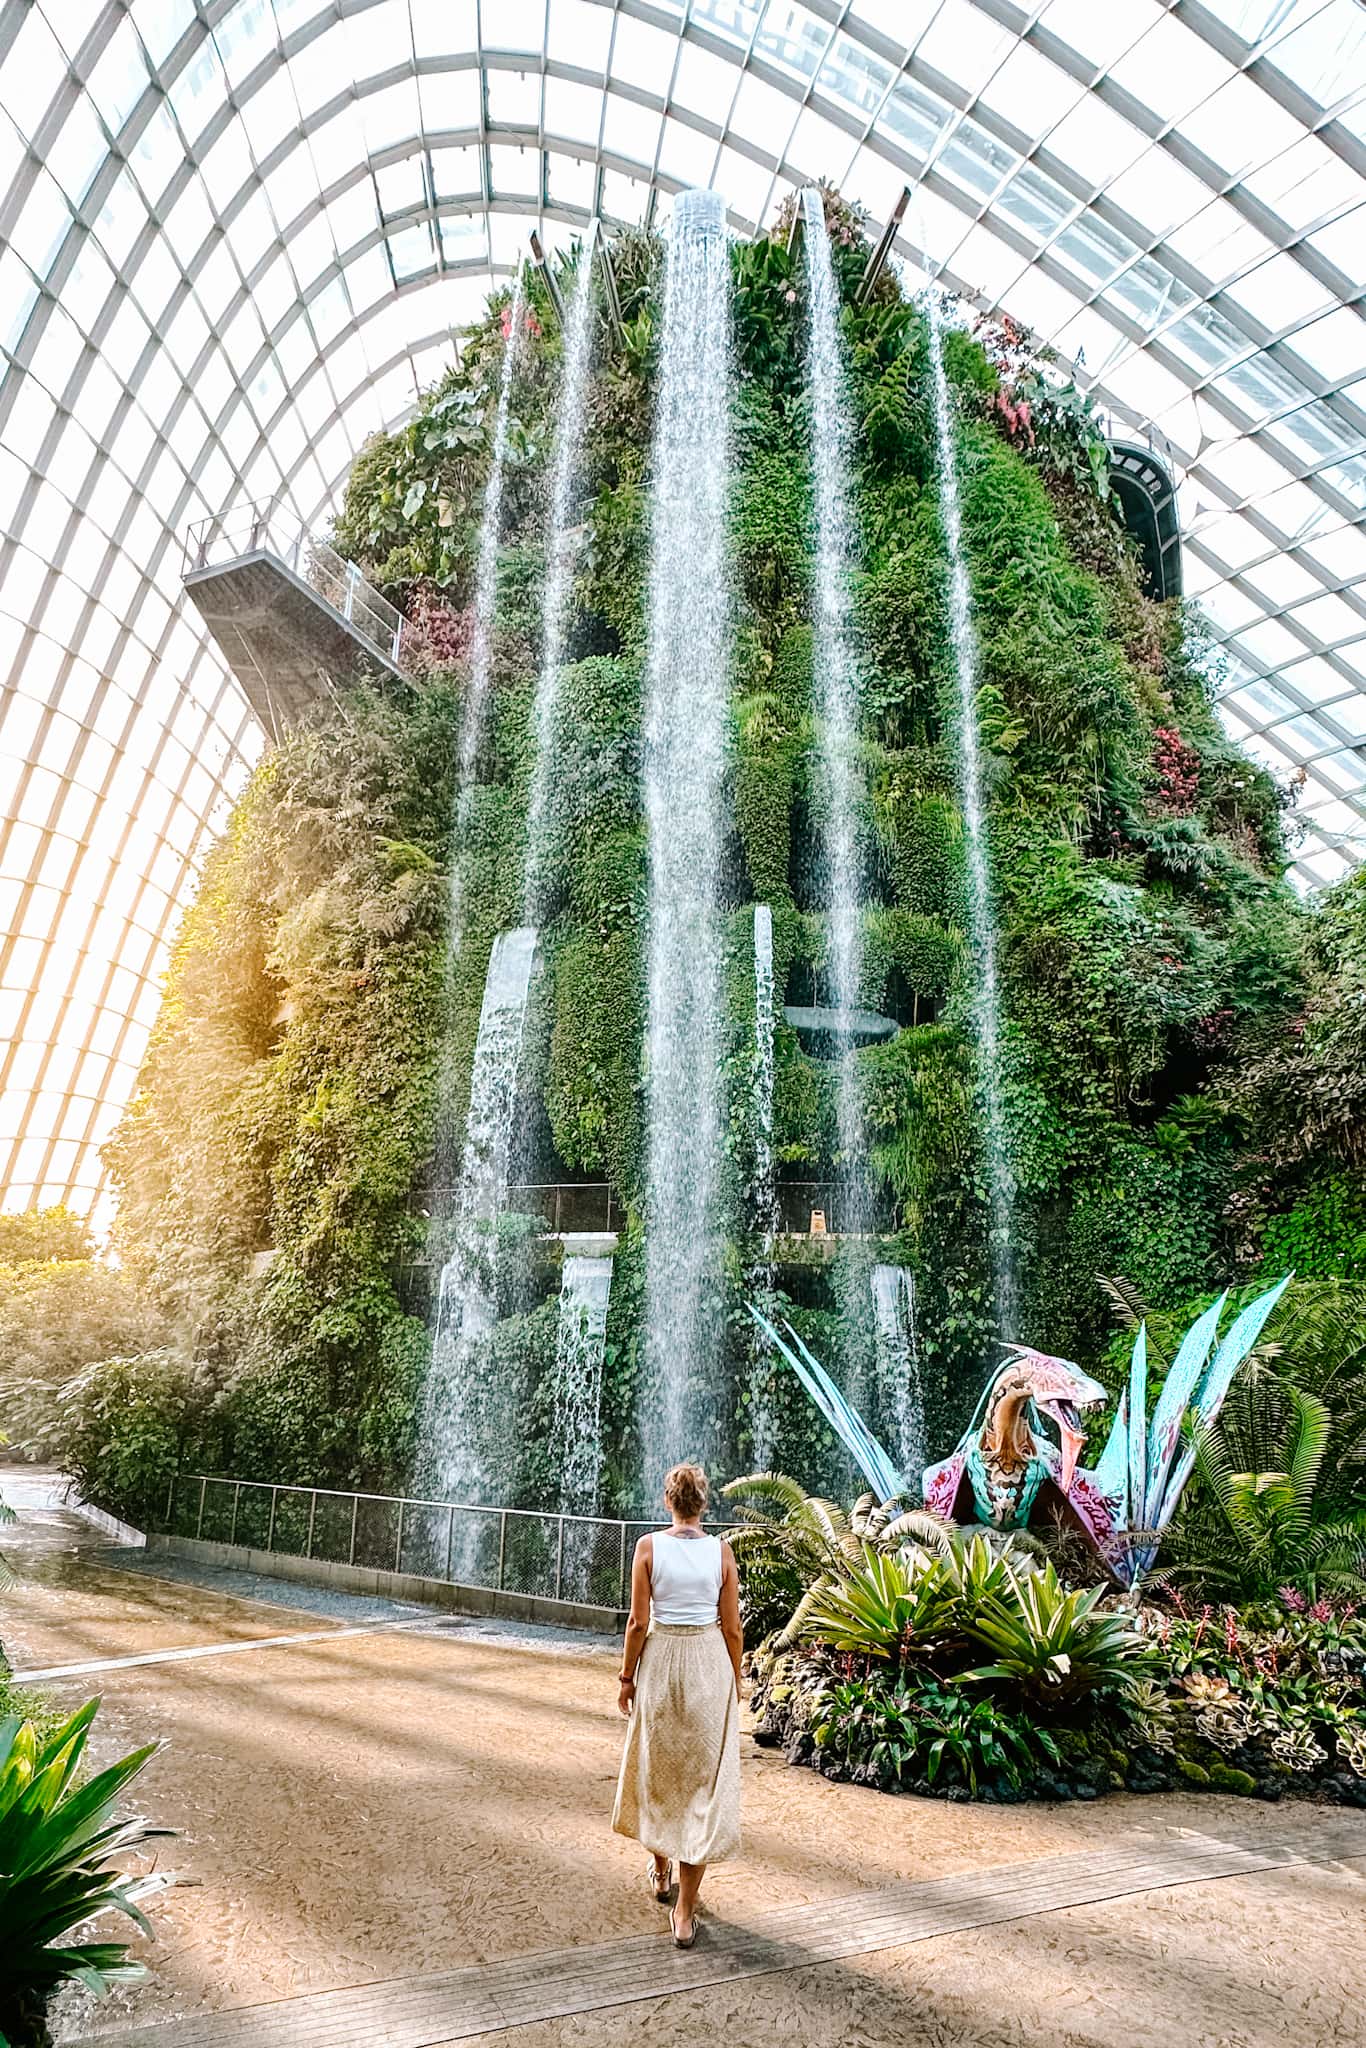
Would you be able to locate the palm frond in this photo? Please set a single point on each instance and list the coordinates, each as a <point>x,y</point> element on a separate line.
<point>1309,1428</point>
<point>1127,1305</point>
<point>923,1526</point>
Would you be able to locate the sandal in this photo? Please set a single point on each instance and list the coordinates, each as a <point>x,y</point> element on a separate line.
<point>661,1898</point>
<point>678,1939</point>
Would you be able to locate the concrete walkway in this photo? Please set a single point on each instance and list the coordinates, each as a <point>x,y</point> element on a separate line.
<point>401,1837</point>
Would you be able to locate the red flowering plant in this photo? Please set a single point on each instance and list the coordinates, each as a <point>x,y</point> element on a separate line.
<point>1176,766</point>
<point>437,634</point>
<point>1040,411</point>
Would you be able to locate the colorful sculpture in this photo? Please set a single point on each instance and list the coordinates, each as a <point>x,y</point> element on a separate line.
<point>1007,1472</point>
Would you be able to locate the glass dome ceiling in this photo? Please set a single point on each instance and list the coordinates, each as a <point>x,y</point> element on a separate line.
<point>236,239</point>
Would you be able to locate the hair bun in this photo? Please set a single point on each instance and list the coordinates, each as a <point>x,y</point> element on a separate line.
<point>686,1490</point>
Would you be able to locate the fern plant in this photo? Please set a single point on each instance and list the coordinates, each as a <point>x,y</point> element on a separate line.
<point>1249,1532</point>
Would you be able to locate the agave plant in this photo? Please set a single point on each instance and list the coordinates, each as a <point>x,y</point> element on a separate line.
<point>887,1606</point>
<point>1056,1644</point>
<point>59,1841</point>
<point>794,1547</point>
<point>1252,1531</point>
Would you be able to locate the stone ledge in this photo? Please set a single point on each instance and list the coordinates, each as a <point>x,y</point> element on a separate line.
<point>479,1601</point>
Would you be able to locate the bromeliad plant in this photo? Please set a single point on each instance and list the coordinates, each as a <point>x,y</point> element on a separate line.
<point>1056,1645</point>
<point>60,1839</point>
<point>795,1547</point>
<point>1050,1646</point>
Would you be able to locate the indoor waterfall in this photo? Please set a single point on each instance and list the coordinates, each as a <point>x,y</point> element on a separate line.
<point>836,679</point>
<point>569,419</point>
<point>684,761</point>
<point>485,604</point>
<point>898,1366</point>
<point>981,904</point>
<point>585,1288</point>
<point>764,1193</point>
<point>456,1415</point>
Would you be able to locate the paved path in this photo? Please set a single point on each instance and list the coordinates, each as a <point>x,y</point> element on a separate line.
<point>460,2005</point>
<point>398,1835</point>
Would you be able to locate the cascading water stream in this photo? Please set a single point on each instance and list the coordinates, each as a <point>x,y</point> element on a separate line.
<point>981,901</point>
<point>685,747</point>
<point>836,677</point>
<point>585,1289</point>
<point>485,603</point>
<point>559,564</point>
<point>449,1461</point>
<point>837,701</point>
<point>765,1183</point>
<point>457,1419</point>
<point>898,1366</point>
<point>764,1194</point>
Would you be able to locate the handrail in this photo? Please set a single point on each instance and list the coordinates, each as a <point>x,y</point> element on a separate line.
<point>582,1559</point>
<point>266,526</point>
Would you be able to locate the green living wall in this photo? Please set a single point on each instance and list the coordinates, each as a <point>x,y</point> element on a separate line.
<point>1182,1046</point>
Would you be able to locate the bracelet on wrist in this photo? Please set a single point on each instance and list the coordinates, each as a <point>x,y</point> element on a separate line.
<point>622,1679</point>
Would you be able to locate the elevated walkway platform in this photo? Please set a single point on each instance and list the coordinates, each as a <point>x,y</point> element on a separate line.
<point>293,618</point>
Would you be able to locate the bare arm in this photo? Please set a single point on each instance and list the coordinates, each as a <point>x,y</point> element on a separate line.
<point>637,1622</point>
<point>729,1610</point>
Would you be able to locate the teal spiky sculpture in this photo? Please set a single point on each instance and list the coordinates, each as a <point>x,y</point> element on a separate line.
<point>1128,1499</point>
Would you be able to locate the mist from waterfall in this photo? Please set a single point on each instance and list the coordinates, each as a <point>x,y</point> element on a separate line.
<point>585,1290</point>
<point>981,899</point>
<point>764,1192</point>
<point>684,761</point>
<point>485,604</point>
<point>569,420</point>
<point>898,1367</point>
<point>835,676</point>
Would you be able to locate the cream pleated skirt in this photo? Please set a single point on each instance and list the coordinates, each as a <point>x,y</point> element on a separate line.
<point>679,1789</point>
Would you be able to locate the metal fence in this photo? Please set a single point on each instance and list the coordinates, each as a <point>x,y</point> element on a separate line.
<point>270,528</point>
<point>581,1558</point>
<point>565,1207</point>
<point>826,1208</point>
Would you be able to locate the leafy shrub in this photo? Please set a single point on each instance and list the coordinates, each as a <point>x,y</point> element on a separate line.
<point>124,1431</point>
<point>60,1842</point>
<point>923,1730</point>
<point>58,1314</point>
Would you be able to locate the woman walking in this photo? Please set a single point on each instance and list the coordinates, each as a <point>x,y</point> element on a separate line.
<point>679,1789</point>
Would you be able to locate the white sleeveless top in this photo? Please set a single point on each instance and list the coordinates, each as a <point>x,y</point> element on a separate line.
<point>685,1580</point>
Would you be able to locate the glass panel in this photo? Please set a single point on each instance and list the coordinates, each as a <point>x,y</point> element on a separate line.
<point>411,251</point>
<point>914,118</point>
<point>792,38</point>
<point>1206,339</point>
<point>976,160</point>
<point>855,76</point>
<point>736,20</point>
<point>1035,203</point>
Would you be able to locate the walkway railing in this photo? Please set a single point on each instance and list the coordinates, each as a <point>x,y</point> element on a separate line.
<point>580,1558</point>
<point>270,528</point>
<point>565,1207</point>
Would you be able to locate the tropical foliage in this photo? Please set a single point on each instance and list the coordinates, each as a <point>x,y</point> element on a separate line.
<point>61,1842</point>
<point>61,1309</point>
<point>923,1729</point>
<point>1256,1530</point>
<point>1182,1039</point>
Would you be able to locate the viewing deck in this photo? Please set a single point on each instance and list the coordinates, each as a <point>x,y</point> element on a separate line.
<point>293,618</point>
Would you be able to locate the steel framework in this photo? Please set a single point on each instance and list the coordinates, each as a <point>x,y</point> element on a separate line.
<point>237,236</point>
